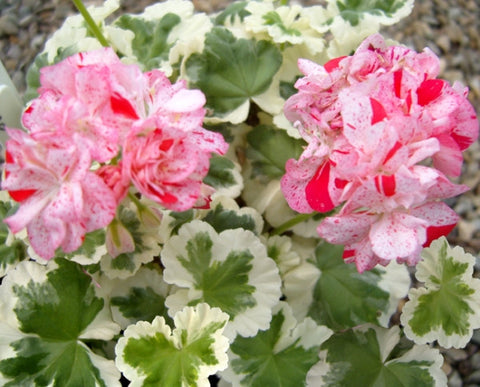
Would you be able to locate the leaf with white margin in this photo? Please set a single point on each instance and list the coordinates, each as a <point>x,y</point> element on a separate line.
<point>290,24</point>
<point>268,199</point>
<point>344,298</point>
<point>447,308</point>
<point>185,38</point>
<point>381,11</point>
<point>12,248</point>
<point>298,286</point>
<point>74,30</point>
<point>151,354</point>
<point>139,298</point>
<point>92,249</point>
<point>146,247</point>
<point>47,313</point>
<point>224,175</point>
<point>230,71</point>
<point>395,280</point>
<point>233,11</point>
<point>351,21</point>
<point>374,356</point>
<point>150,44</point>
<point>229,270</point>
<point>279,356</point>
<point>225,214</point>
<point>269,149</point>
<point>279,248</point>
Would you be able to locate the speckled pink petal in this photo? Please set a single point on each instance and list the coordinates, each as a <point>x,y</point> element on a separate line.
<point>67,204</point>
<point>397,235</point>
<point>208,141</point>
<point>440,218</point>
<point>185,101</point>
<point>46,237</point>
<point>74,237</point>
<point>346,228</point>
<point>27,212</point>
<point>449,158</point>
<point>99,202</point>
<point>293,185</point>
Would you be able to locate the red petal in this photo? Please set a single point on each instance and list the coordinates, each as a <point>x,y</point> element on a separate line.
<point>348,254</point>
<point>333,64</point>
<point>378,111</point>
<point>392,151</point>
<point>340,183</point>
<point>121,105</point>
<point>397,82</point>
<point>435,232</point>
<point>316,190</point>
<point>20,195</point>
<point>385,184</point>
<point>429,90</point>
<point>165,145</point>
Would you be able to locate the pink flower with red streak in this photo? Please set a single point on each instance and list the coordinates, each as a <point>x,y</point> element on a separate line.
<point>369,119</point>
<point>62,199</point>
<point>168,166</point>
<point>86,97</point>
<point>141,129</point>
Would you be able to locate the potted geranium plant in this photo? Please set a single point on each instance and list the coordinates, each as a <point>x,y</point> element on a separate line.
<point>234,198</point>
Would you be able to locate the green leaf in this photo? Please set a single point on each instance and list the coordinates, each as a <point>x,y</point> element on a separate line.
<point>236,9</point>
<point>52,309</point>
<point>229,270</point>
<point>68,295</point>
<point>364,357</point>
<point>91,250</point>
<point>219,279</point>
<point>287,89</point>
<point>343,297</point>
<point>230,71</point>
<point>269,149</point>
<point>150,44</point>
<point>179,219</point>
<point>140,297</point>
<point>354,10</point>
<point>11,251</point>
<point>220,172</point>
<point>272,18</point>
<point>146,247</point>
<point>150,355</point>
<point>225,214</point>
<point>279,356</point>
<point>447,308</point>
<point>40,363</point>
<point>224,176</point>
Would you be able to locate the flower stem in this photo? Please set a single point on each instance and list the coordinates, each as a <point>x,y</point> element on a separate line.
<point>135,201</point>
<point>92,26</point>
<point>292,222</point>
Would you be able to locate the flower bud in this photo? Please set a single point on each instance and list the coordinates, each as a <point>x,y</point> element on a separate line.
<point>118,239</point>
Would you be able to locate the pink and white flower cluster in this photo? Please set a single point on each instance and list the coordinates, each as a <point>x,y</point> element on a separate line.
<point>93,110</point>
<point>383,134</point>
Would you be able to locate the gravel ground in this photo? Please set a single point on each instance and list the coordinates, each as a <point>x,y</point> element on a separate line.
<point>451,28</point>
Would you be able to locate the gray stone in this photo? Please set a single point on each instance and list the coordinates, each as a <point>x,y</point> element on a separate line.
<point>455,380</point>
<point>8,25</point>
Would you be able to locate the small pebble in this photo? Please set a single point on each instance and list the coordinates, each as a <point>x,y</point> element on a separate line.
<point>455,380</point>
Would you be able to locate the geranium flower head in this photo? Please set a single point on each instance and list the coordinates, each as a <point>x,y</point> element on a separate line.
<point>369,119</point>
<point>168,166</point>
<point>66,200</point>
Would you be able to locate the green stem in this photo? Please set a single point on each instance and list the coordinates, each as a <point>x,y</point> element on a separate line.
<point>135,201</point>
<point>92,26</point>
<point>292,222</point>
